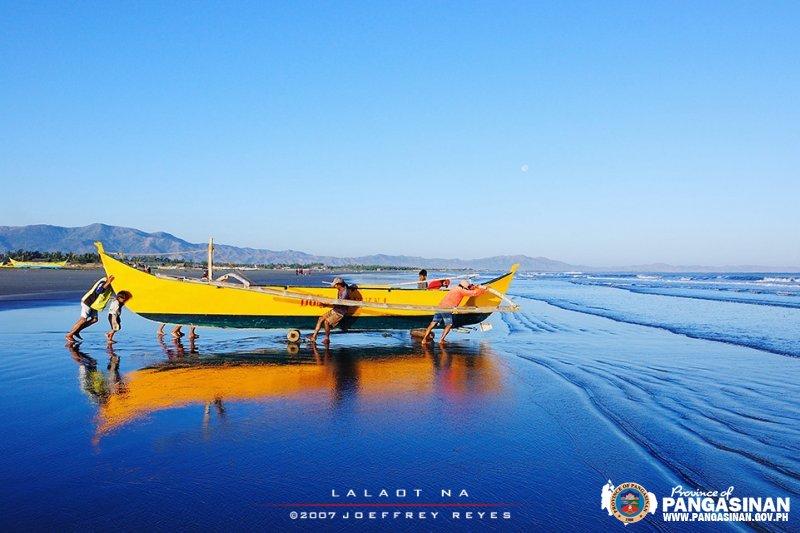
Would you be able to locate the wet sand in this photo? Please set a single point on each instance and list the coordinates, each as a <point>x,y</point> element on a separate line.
<point>45,284</point>
<point>530,418</point>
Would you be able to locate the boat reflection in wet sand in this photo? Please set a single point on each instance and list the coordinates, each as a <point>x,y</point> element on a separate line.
<point>369,374</point>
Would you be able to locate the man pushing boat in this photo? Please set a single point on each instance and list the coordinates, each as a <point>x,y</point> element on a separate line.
<point>93,301</point>
<point>452,300</point>
<point>332,318</point>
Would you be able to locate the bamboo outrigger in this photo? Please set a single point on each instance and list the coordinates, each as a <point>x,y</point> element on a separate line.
<point>219,303</point>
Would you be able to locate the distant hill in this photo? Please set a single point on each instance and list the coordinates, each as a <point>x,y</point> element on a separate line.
<point>47,238</point>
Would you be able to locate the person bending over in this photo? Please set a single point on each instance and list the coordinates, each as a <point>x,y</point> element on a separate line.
<point>452,300</point>
<point>93,301</point>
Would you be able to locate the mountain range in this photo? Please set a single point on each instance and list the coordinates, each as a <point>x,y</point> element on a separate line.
<point>48,238</point>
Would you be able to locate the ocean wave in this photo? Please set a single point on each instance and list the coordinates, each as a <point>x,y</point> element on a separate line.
<point>713,277</point>
<point>723,295</point>
<point>788,299</point>
<point>778,290</point>
<point>779,280</point>
<point>767,341</point>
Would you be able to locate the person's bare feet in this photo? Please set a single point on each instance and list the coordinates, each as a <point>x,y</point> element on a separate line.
<point>312,339</point>
<point>69,338</point>
<point>327,340</point>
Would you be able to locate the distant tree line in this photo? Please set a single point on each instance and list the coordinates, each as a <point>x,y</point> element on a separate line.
<point>79,259</point>
<point>374,267</point>
<point>50,257</point>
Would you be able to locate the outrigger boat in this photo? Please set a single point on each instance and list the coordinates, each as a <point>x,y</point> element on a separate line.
<point>220,303</point>
<point>37,264</point>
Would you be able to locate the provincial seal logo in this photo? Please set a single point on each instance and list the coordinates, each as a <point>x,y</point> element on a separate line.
<point>628,502</point>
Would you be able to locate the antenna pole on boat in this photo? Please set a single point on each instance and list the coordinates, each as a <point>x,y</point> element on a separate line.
<point>211,259</point>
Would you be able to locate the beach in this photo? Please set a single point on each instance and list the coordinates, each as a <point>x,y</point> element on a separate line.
<point>663,380</point>
<point>361,266</point>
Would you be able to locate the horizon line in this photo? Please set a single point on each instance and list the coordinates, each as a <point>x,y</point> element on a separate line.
<point>607,268</point>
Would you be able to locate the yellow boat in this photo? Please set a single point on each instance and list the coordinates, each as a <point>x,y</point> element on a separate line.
<point>221,304</point>
<point>37,264</point>
<point>373,375</point>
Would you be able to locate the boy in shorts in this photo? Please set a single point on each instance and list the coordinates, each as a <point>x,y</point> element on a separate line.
<point>93,301</point>
<point>115,312</point>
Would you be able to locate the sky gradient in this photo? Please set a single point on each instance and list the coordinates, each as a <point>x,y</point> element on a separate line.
<point>623,133</point>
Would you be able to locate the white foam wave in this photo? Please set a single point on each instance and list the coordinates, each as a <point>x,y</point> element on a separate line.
<point>779,280</point>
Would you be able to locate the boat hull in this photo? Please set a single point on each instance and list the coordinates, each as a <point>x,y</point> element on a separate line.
<point>352,322</point>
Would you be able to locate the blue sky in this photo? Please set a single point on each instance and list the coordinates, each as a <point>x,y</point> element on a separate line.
<point>599,133</point>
